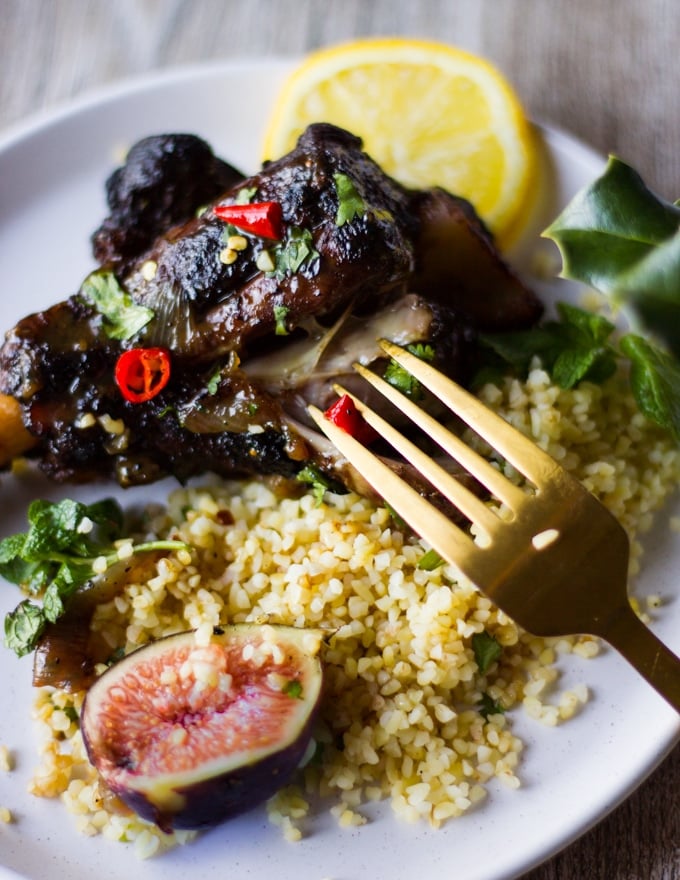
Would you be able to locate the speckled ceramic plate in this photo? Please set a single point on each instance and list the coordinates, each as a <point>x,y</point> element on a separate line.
<point>52,172</point>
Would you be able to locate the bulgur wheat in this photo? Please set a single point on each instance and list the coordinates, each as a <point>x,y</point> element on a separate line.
<point>401,716</point>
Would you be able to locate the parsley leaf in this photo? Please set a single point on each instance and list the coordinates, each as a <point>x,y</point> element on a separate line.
<point>280,313</point>
<point>123,318</point>
<point>214,382</point>
<point>488,706</point>
<point>294,253</point>
<point>293,688</point>
<point>320,482</point>
<point>350,203</point>
<point>400,377</point>
<point>430,561</point>
<point>56,556</point>
<point>486,650</point>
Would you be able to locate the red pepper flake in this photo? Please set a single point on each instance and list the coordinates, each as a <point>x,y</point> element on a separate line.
<point>142,372</point>
<point>261,218</point>
<point>345,415</point>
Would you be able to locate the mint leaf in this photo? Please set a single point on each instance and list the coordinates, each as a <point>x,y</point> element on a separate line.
<point>123,318</point>
<point>655,381</point>
<point>56,556</point>
<point>350,203</point>
<point>23,627</point>
<point>486,650</point>
<point>572,349</point>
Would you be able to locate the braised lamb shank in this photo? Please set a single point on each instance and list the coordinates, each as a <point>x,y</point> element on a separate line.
<point>255,327</point>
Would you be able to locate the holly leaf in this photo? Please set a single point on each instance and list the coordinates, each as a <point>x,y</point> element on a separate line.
<point>610,226</point>
<point>651,288</point>
<point>619,237</point>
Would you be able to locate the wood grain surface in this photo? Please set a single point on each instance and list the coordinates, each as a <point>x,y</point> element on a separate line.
<point>607,71</point>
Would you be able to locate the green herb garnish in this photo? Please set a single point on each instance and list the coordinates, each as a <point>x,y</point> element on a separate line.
<point>294,253</point>
<point>123,318</point>
<point>400,377</point>
<point>621,238</point>
<point>488,706</point>
<point>293,689</point>
<point>572,349</point>
<point>280,313</point>
<point>214,382</point>
<point>67,544</point>
<point>245,195</point>
<point>430,561</point>
<point>486,650</point>
<point>320,482</point>
<point>350,203</point>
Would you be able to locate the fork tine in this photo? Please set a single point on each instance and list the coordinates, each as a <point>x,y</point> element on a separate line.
<point>458,494</point>
<point>522,453</point>
<point>450,541</point>
<point>485,472</point>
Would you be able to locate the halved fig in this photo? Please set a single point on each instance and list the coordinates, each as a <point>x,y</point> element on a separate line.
<point>188,735</point>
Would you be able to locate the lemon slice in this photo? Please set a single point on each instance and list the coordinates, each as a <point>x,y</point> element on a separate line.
<point>429,113</point>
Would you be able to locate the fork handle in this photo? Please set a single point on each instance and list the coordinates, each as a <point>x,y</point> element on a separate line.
<point>646,653</point>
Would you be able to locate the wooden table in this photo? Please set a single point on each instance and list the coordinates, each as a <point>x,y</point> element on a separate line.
<point>606,70</point>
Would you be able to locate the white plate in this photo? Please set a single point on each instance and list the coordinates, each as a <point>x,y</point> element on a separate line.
<point>51,198</point>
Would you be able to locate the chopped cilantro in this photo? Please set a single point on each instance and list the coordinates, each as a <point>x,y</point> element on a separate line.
<point>350,203</point>
<point>245,195</point>
<point>214,381</point>
<point>486,650</point>
<point>55,557</point>
<point>294,253</point>
<point>488,706</point>
<point>293,689</point>
<point>71,713</point>
<point>430,561</point>
<point>320,482</point>
<point>398,520</point>
<point>123,318</point>
<point>280,313</point>
<point>400,377</point>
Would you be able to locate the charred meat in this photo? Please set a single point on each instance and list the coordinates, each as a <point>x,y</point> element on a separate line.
<point>165,180</point>
<point>256,327</point>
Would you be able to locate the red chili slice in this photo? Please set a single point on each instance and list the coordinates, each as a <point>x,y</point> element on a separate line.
<point>261,218</point>
<point>345,415</point>
<point>142,372</point>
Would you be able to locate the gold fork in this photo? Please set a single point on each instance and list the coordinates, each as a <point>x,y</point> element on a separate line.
<point>557,566</point>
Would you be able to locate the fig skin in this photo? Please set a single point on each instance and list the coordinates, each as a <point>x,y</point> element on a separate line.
<point>186,755</point>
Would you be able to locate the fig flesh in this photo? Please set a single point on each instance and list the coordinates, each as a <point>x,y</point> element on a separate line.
<point>188,735</point>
